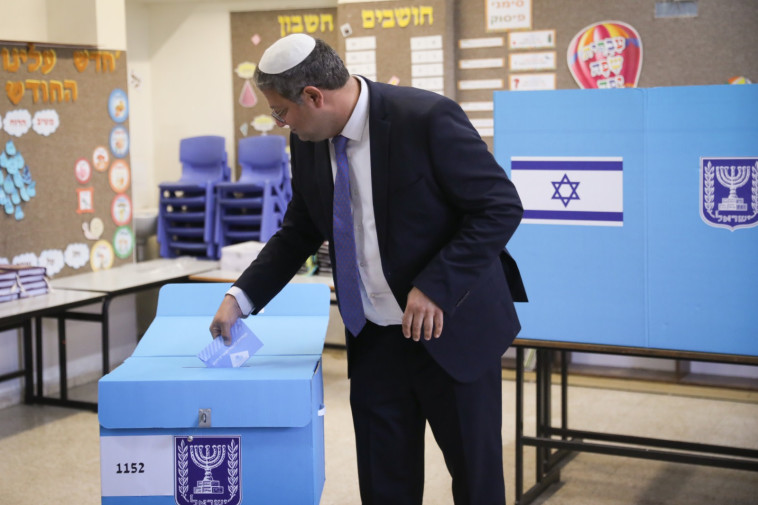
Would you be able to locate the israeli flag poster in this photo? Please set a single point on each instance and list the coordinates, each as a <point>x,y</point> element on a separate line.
<point>570,190</point>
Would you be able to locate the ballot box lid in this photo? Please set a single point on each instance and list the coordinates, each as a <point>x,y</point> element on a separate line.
<point>293,323</point>
<point>168,392</point>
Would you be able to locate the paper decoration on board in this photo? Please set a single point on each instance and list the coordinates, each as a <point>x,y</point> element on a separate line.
<point>739,79</point>
<point>427,58</point>
<point>346,30</point>
<point>244,128</point>
<point>76,255</point>
<point>531,40</point>
<point>263,123</point>
<point>531,82</point>
<point>119,141</point>
<point>101,158</point>
<point>25,259</point>
<point>121,210</point>
<point>248,97</point>
<point>46,122</point>
<point>255,39</point>
<point>119,176</point>
<point>94,229</point>
<point>118,105</point>
<point>503,16</point>
<point>86,199</point>
<point>17,122</point>
<point>246,70</point>
<point>16,184</point>
<point>607,54</point>
<point>53,260</point>
<point>82,171</point>
<point>101,256</point>
<point>123,242</point>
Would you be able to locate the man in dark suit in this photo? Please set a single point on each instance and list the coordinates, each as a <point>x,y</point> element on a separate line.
<point>423,281</point>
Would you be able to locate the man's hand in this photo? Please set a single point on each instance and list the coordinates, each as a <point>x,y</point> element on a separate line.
<point>421,316</point>
<point>226,315</point>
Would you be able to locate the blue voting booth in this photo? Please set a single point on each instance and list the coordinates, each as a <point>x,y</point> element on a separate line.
<point>173,431</point>
<point>641,208</point>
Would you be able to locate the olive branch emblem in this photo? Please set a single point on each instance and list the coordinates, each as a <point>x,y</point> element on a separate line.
<point>182,469</point>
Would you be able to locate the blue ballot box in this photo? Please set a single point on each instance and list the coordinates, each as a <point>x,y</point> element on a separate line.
<point>174,431</point>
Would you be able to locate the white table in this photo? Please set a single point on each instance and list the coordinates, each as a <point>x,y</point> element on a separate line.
<point>108,284</point>
<point>19,314</point>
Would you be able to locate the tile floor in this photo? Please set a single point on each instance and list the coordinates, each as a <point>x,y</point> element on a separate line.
<point>50,455</point>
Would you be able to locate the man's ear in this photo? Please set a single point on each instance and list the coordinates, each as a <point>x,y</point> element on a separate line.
<point>313,95</point>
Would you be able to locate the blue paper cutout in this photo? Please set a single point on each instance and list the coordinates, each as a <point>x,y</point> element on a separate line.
<point>16,183</point>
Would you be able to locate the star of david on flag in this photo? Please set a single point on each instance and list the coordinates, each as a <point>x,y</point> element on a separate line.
<point>570,190</point>
<point>558,185</point>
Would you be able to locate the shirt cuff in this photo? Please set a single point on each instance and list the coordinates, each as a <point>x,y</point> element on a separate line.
<point>246,306</point>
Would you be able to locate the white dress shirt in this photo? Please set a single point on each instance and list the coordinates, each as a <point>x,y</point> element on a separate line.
<point>379,304</point>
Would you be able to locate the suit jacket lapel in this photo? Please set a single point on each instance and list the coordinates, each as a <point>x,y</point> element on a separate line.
<point>379,130</point>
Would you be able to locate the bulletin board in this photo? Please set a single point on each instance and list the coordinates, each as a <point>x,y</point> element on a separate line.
<point>65,177</point>
<point>495,45</point>
<point>403,42</point>
<point>252,33</point>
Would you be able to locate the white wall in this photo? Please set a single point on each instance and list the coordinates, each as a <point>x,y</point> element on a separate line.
<point>139,76</point>
<point>181,52</point>
<point>83,22</point>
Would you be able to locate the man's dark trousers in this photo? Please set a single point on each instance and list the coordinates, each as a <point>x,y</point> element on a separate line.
<point>395,388</point>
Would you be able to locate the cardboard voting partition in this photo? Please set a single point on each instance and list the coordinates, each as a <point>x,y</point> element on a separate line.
<point>641,214</point>
<point>175,431</point>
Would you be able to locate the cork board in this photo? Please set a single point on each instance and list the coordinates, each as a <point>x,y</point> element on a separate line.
<point>409,43</point>
<point>482,54</point>
<point>377,40</point>
<point>65,194</point>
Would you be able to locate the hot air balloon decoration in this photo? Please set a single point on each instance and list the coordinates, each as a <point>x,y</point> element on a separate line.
<point>606,55</point>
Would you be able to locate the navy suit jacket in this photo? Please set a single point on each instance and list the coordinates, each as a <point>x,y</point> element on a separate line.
<point>444,212</point>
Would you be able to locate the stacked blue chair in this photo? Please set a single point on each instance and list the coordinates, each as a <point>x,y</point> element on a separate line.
<point>186,207</point>
<point>252,208</point>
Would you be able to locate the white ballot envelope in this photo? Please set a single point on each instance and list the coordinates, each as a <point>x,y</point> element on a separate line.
<point>244,344</point>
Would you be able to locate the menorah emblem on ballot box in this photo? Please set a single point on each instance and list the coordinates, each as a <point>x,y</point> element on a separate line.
<point>725,185</point>
<point>199,456</point>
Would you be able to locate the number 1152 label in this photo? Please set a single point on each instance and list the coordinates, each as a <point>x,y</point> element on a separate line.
<point>137,465</point>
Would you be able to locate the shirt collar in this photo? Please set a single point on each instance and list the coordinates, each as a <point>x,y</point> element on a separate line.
<point>354,127</point>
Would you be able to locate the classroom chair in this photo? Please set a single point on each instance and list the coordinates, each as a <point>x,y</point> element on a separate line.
<point>252,208</point>
<point>187,206</point>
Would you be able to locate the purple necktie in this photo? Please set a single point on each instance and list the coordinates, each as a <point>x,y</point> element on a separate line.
<point>346,269</point>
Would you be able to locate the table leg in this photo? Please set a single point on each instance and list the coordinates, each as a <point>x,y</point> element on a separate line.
<point>519,424</point>
<point>62,365</point>
<point>28,363</point>
<point>38,341</point>
<point>106,336</point>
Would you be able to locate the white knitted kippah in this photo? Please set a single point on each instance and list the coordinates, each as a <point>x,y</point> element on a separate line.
<point>286,52</point>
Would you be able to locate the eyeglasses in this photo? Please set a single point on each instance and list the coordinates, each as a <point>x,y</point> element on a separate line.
<point>279,115</point>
